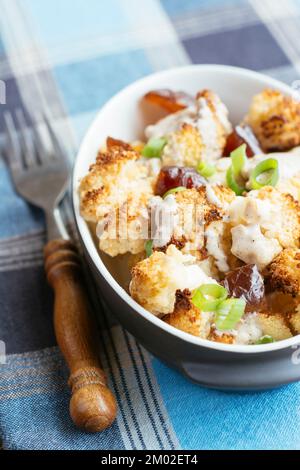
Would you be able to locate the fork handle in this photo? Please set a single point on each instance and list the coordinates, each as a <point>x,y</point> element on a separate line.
<point>92,406</point>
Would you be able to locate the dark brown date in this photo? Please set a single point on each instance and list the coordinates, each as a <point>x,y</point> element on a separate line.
<point>246,283</point>
<point>173,176</point>
<point>242,135</point>
<point>169,100</point>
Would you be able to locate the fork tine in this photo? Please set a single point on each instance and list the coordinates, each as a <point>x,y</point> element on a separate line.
<point>28,147</point>
<point>40,144</point>
<point>58,147</point>
<point>13,149</point>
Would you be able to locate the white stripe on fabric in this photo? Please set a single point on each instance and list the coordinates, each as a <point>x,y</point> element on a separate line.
<point>283,21</point>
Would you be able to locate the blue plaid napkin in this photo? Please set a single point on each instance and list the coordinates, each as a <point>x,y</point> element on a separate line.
<point>69,57</point>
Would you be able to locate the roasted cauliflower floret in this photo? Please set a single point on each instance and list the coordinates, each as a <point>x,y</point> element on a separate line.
<point>184,147</point>
<point>189,214</point>
<point>263,223</point>
<point>284,272</point>
<point>195,133</point>
<point>156,279</point>
<point>275,120</point>
<point>285,226</point>
<point>187,317</point>
<point>114,195</point>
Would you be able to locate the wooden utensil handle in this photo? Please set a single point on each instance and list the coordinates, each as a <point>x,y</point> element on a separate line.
<point>92,406</point>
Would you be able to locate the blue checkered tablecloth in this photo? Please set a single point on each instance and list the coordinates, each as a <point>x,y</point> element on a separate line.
<point>69,57</point>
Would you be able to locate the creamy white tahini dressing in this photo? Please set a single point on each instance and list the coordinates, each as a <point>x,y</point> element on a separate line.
<point>212,197</point>
<point>213,237</point>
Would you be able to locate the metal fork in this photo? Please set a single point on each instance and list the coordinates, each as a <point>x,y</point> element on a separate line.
<point>41,176</point>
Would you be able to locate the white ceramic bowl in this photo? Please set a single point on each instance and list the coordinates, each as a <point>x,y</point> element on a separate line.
<point>211,364</point>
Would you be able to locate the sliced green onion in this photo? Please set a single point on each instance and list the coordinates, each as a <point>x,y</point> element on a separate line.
<point>208,296</point>
<point>205,169</point>
<point>232,182</point>
<point>154,147</point>
<point>174,190</point>
<point>229,313</point>
<point>265,340</point>
<point>267,168</point>
<point>149,248</point>
<point>238,159</point>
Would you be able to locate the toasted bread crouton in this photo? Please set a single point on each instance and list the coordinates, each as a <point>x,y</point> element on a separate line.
<point>195,133</point>
<point>275,325</point>
<point>275,120</point>
<point>284,272</point>
<point>156,279</point>
<point>187,317</point>
<point>114,194</point>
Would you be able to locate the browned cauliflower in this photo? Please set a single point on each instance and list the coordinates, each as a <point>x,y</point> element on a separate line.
<point>263,223</point>
<point>275,120</point>
<point>114,195</point>
<point>284,272</point>
<point>196,133</point>
<point>156,279</point>
<point>187,317</point>
<point>193,211</point>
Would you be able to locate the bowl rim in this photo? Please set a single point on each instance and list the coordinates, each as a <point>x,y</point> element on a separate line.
<point>90,246</point>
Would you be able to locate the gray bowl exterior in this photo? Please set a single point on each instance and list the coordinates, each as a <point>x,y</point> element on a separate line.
<point>208,367</point>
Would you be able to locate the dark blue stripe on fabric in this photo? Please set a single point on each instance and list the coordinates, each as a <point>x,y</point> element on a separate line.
<point>17,216</point>
<point>153,394</point>
<point>141,388</point>
<point>251,47</point>
<point>36,416</point>
<point>26,310</point>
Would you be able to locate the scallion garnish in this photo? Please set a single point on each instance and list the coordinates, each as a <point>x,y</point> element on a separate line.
<point>229,313</point>
<point>208,296</point>
<point>174,190</point>
<point>149,248</point>
<point>265,340</point>
<point>232,182</point>
<point>205,169</point>
<point>154,147</point>
<point>238,160</point>
<point>264,174</point>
